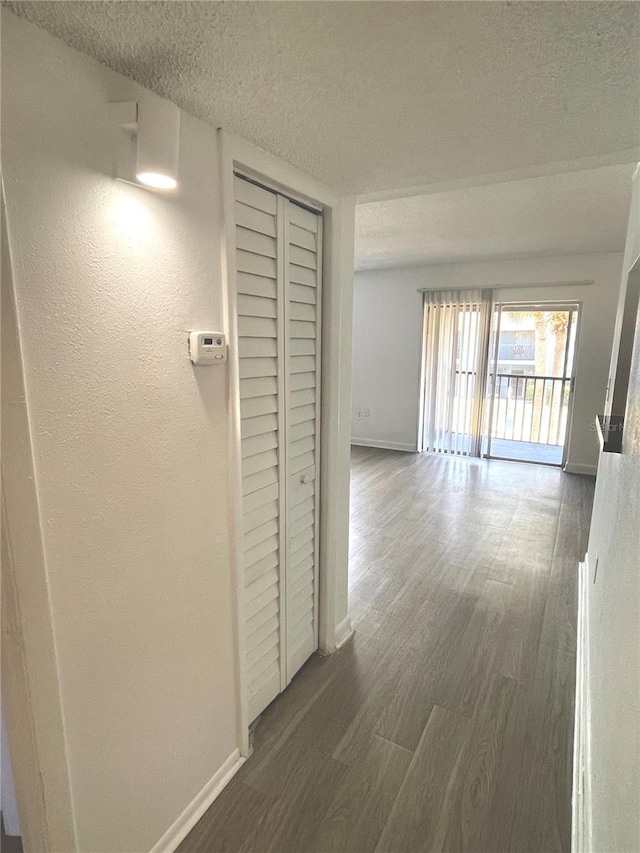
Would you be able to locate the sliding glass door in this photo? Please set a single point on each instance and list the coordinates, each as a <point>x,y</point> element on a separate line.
<point>530,383</point>
<point>497,381</point>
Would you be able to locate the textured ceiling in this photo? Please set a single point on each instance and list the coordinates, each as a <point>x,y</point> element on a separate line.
<point>555,215</point>
<point>369,96</point>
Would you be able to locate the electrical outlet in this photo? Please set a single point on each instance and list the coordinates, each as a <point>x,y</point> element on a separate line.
<point>359,413</point>
<point>367,413</point>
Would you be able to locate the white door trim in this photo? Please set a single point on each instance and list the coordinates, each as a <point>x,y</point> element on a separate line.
<point>581,800</point>
<point>337,288</point>
<point>30,680</point>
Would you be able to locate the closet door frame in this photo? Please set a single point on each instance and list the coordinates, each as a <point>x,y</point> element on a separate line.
<point>334,367</point>
<point>283,428</point>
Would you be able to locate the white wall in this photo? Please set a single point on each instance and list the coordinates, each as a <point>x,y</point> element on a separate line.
<point>614,618</point>
<point>388,329</point>
<point>129,442</point>
<point>387,342</point>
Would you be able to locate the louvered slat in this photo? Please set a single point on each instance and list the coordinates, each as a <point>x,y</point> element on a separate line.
<point>258,443</point>
<point>301,237</point>
<point>302,257</point>
<point>303,363</point>
<point>254,482</point>
<point>258,244</point>
<point>301,293</point>
<point>261,497</point>
<point>304,445</point>
<point>302,346</point>
<point>298,381</point>
<point>251,368</point>
<point>302,311</point>
<point>254,196</point>
<point>258,306</point>
<point>257,327</point>
<point>255,406</point>
<point>261,584</point>
<point>299,524</point>
<point>301,508</point>
<point>259,425</point>
<point>259,348</point>
<point>264,647</point>
<point>302,275</point>
<point>260,515</point>
<point>302,462</point>
<point>303,413</point>
<point>261,265</point>
<point>256,570</point>
<point>260,462</point>
<point>257,387</point>
<point>258,285</point>
<point>302,397</point>
<point>303,218</point>
<point>256,220</point>
<point>302,430</point>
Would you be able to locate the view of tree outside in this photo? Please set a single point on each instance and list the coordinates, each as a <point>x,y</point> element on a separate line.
<point>528,407</point>
<point>547,324</point>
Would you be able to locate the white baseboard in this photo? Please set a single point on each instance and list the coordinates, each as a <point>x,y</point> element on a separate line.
<point>384,445</point>
<point>579,468</point>
<point>581,800</point>
<point>180,828</point>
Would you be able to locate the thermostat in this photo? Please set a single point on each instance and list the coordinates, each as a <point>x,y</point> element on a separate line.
<point>207,347</point>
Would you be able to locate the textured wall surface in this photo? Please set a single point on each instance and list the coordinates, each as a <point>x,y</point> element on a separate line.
<point>387,343</point>
<point>567,214</point>
<point>129,441</point>
<point>367,96</point>
<point>614,617</point>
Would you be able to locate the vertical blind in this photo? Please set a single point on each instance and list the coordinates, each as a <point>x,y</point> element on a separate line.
<point>456,346</point>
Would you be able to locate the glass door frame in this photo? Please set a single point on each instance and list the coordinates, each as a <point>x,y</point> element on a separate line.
<point>574,308</point>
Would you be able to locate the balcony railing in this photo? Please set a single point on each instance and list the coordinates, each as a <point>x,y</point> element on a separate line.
<point>529,408</point>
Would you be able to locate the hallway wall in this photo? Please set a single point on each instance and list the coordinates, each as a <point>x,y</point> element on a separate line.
<point>388,332</point>
<point>129,442</point>
<point>613,608</point>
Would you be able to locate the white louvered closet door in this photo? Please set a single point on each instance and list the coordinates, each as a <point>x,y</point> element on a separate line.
<point>278,278</point>
<point>303,243</point>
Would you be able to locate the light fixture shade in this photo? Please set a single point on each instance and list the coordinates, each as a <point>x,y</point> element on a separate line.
<point>158,144</point>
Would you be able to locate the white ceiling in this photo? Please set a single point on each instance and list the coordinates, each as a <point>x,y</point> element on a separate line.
<point>369,96</point>
<point>573,213</point>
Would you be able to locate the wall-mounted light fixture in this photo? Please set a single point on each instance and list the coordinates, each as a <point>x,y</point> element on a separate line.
<point>149,143</point>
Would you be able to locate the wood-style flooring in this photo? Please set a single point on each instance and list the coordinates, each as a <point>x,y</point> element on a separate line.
<point>9,843</point>
<point>446,723</point>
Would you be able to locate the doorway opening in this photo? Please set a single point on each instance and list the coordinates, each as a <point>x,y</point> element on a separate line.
<point>530,382</point>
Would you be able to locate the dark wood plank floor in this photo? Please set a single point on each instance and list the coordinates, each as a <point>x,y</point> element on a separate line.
<point>9,843</point>
<point>446,724</point>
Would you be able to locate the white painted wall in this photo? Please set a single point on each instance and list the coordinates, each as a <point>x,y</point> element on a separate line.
<point>129,442</point>
<point>387,342</point>
<point>614,617</point>
<point>388,328</point>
